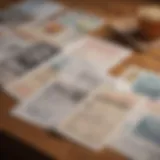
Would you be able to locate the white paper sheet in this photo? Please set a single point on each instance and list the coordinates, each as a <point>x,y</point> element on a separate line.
<point>139,137</point>
<point>103,55</point>
<point>98,116</point>
<point>51,105</point>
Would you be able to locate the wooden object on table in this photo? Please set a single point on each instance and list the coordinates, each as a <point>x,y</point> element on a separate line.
<point>149,21</point>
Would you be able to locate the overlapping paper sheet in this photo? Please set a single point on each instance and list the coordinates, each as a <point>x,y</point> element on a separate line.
<point>103,55</point>
<point>80,20</point>
<point>28,11</point>
<point>94,120</point>
<point>10,44</point>
<point>68,67</point>
<point>60,96</point>
<point>25,60</point>
<point>40,8</point>
<point>63,28</point>
<point>76,59</point>
<point>139,137</point>
<point>12,17</point>
<point>47,29</point>
<point>141,81</point>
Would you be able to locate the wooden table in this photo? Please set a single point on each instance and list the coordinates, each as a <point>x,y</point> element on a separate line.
<point>53,145</point>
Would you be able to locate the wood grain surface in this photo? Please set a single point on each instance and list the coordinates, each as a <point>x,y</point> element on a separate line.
<point>143,61</point>
<point>54,145</point>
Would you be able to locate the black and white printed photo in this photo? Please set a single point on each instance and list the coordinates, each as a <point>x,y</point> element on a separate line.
<point>26,60</point>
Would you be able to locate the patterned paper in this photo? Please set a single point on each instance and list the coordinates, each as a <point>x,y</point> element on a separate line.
<point>10,44</point>
<point>93,122</point>
<point>81,21</point>
<point>50,31</point>
<point>50,106</point>
<point>68,67</point>
<point>25,61</point>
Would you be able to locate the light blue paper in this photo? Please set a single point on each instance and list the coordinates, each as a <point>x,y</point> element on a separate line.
<point>148,84</point>
<point>149,128</point>
<point>80,21</point>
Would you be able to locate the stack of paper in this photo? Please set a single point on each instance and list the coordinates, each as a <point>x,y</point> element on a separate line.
<point>61,77</point>
<point>54,102</point>
<point>69,68</point>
